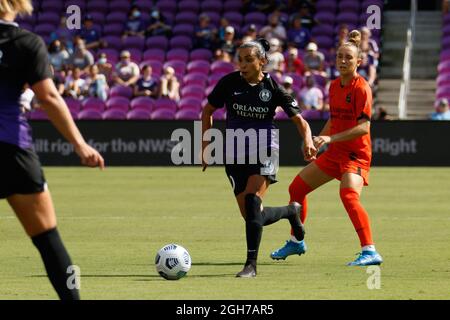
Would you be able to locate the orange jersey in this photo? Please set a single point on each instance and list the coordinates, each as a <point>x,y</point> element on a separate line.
<point>348,105</point>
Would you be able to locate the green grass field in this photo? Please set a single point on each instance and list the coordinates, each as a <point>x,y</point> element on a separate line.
<point>113,223</point>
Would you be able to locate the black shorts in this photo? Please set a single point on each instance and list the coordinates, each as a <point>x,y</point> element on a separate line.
<point>20,171</point>
<point>238,174</point>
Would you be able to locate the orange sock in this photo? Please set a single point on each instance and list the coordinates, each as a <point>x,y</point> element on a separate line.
<point>297,192</point>
<point>358,215</point>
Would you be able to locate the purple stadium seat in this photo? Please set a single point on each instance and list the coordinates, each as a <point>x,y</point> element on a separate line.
<point>444,55</point>
<point>177,54</point>
<point>444,66</point>
<point>186,17</point>
<point>179,66</point>
<point>209,89</point>
<point>367,3</point>
<point>73,104</point>
<point>222,67</point>
<point>348,18</point>
<point>220,114</point>
<point>113,42</point>
<point>312,114</point>
<point>255,18</point>
<point>145,103</point>
<point>212,5</point>
<point>325,17</point>
<point>324,42</point>
<point>138,114</point>
<point>443,91</point>
<point>214,78</point>
<point>114,114</point>
<point>446,30</point>
<point>297,79</point>
<point>187,114</point>
<point>97,5</point>
<point>201,54</point>
<point>214,17</point>
<point>120,103</point>
<point>320,80</point>
<point>38,114</point>
<point>98,17</point>
<point>92,103</point>
<point>281,115</point>
<point>322,30</point>
<point>163,114</point>
<point>443,79</point>
<point>90,114</point>
<point>445,42</point>
<point>193,91</point>
<point>165,103</point>
<point>52,6</point>
<point>44,29</point>
<point>167,6</point>
<point>234,17</point>
<point>190,103</point>
<point>111,54</point>
<point>183,30</point>
<point>154,54</point>
<point>349,6</point>
<point>120,5</point>
<point>144,5</point>
<point>156,65</point>
<point>196,78</point>
<point>157,42</point>
<point>198,66</point>
<point>48,18</point>
<point>134,42</point>
<point>113,29</point>
<point>121,91</point>
<point>135,55</point>
<point>188,6</point>
<point>326,6</point>
<point>233,5</point>
<point>79,3</point>
<point>116,17</point>
<point>181,42</point>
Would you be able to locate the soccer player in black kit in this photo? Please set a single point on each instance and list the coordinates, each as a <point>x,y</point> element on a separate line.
<point>24,61</point>
<point>251,97</point>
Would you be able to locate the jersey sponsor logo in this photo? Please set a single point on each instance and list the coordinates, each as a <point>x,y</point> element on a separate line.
<point>265,95</point>
<point>348,98</point>
<point>250,111</point>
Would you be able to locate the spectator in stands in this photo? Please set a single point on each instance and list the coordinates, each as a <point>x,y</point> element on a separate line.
<point>274,30</point>
<point>127,72</point>
<point>204,33</point>
<point>58,80</point>
<point>81,57</point>
<point>104,67</point>
<point>369,45</point>
<point>221,55</point>
<point>311,97</point>
<point>305,16</point>
<point>147,85</point>
<point>251,32</point>
<point>331,71</point>
<point>298,35</point>
<point>90,34</point>
<point>313,59</point>
<point>58,55</point>
<point>135,25</point>
<point>293,63</point>
<point>265,6</point>
<point>158,25</point>
<point>442,111</point>
<point>96,84</point>
<point>340,39</point>
<point>75,85</point>
<point>275,62</point>
<point>64,35</point>
<point>367,70</point>
<point>228,44</point>
<point>170,87</point>
<point>287,85</point>
<point>223,24</point>
<point>381,115</point>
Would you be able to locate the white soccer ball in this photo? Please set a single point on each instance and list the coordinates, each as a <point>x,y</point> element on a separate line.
<point>172,262</point>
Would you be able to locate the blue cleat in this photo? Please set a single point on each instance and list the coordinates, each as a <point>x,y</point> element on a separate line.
<point>289,249</point>
<point>367,258</point>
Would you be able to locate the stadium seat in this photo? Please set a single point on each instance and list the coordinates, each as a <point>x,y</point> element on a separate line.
<point>119,103</point>
<point>155,64</point>
<point>121,91</point>
<point>111,54</point>
<point>326,6</point>
<point>190,103</point>
<point>113,29</point>
<point>90,114</point>
<point>201,54</point>
<point>93,103</point>
<point>312,114</point>
<point>178,66</point>
<point>198,66</point>
<point>222,67</point>
<point>180,42</point>
<point>98,17</point>
<point>255,18</point>
<point>177,54</point>
<point>214,17</point>
<point>183,30</point>
<point>326,24</point>
<point>139,114</point>
<point>113,42</point>
<point>281,115</point>
<point>97,5</point>
<point>120,5</point>
<point>192,91</point>
<point>324,42</point>
<point>48,18</point>
<point>116,17</point>
<point>349,18</point>
<point>52,6</point>
<point>167,6</point>
<point>220,114</point>
<point>44,29</point>
<point>154,54</point>
<point>195,78</point>
<point>144,5</point>
<point>233,5</point>
<point>134,42</point>
<point>165,103</point>
<point>38,114</point>
<point>163,114</point>
<point>234,17</point>
<point>189,6</point>
<point>144,103</point>
<point>349,6</point>
<point>186,17</point>
<point>157,42</point>
<point>114,114</point>
<point>73,104</point>
<point>135,55</point>
<point>80,3</point>
<point>212,5</point>
<point>214,78</point>
<point>187,114</point>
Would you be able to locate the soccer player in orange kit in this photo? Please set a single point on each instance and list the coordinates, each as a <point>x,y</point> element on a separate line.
<point>347,134</point>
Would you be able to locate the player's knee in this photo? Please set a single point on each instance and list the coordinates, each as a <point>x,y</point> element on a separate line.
<point>253,208</point>
<point>298,189</point>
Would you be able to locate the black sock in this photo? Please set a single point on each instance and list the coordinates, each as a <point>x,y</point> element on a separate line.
<point>56,261</point>
<point>290,212</point>
<point>253,226</point>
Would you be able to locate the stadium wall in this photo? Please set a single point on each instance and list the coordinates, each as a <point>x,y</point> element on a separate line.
<point>148,143</point>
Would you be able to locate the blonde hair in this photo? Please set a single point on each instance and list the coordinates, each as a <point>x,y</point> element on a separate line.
<point>354,40</point>
<point>20,7</point>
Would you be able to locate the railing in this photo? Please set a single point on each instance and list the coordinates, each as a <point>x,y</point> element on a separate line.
<point>405,84</point>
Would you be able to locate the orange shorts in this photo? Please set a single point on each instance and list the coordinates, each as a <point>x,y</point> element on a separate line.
<point>336,169</point>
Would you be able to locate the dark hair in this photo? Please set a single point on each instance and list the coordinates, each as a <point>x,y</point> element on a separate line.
<point>261,45</point>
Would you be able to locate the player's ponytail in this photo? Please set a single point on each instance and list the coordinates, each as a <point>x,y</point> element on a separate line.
<point>354,39</point>
<point>261,46</point>
<point>20,7</point>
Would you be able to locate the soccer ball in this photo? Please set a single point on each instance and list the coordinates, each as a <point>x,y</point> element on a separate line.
<point>172,262</point>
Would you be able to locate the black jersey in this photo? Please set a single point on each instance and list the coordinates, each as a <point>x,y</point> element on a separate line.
<point>23,60</point>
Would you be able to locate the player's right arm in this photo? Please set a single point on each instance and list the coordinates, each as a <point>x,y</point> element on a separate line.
<point>207,121</point>
<point>58,113</point>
